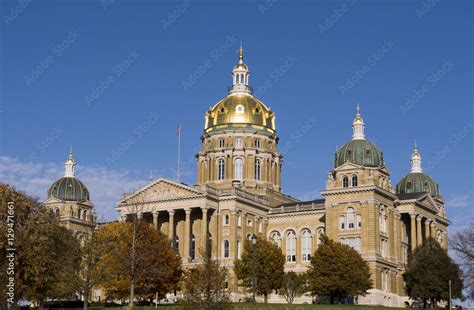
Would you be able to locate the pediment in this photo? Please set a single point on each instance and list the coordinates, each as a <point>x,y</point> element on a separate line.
<point>161,189</point>
<point>428,201</point>
<point>52,200</point>
<point>347,166</point>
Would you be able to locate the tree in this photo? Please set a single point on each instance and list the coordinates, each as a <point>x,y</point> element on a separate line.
<point>428,273</point>
<point>462,242</point>
<point>47,256</point>
<point>205,285</point>
<point>293,285</point>
<point>338,271</point>
<point>269,267</point>
<point>156,268</point>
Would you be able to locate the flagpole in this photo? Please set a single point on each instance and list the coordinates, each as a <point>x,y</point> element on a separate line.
<point>179,149</point>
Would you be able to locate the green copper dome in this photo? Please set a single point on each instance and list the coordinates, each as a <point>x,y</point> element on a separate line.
<point>69,189</point>
<point>417,182</point>
<point>359,152</point>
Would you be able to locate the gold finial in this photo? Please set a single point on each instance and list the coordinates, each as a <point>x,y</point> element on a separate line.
<point>358,109</point>
<point>70,152</point>
<point>241,53</point>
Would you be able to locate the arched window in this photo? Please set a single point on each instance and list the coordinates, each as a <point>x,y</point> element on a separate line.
<point>306,245</point>
<point>221,143</point>
<point>354,180</point>
<point>291,247</point>
<point>238,248</point>
<point>225,248</point>
<point>56,212</point>
<point>345,181</point>
<point>238,169</point>
<point>350,218</point>
<point>192,249</point>
<point>258,168</point>
<point>221,169</point>
<point>226,219</point>
<point>342,222</point>
<point>79,213</point>
<point>275,237</point>
<point>84,215</point>
<point>238,142</point>
<point>257,143</point>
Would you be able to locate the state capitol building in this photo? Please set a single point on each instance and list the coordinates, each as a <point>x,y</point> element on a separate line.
<point>238,193</point>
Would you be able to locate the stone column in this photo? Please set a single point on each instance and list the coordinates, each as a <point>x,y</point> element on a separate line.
<point>413,231</point>
<point>187,234</point>
<point>433,230</point>
<point>419,238</point>
<point>427,228</point>
<point>204,228</point>
<point>243,229</point>
<point>139,215</point>
<point>171,226</point>
<point>155,219</point>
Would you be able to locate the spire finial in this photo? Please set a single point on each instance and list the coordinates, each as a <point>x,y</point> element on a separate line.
<point>69,164</point>
<point>416,160</point>
<point>358,126</point>
<point>241,53</point>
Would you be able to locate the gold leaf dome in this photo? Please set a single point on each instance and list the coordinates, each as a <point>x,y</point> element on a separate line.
<point>240,111</point>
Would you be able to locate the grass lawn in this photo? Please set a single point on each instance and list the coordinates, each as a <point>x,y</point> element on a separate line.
<point>249,306</point>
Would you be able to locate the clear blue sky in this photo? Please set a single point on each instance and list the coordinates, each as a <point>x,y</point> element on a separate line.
<point>410,64</point>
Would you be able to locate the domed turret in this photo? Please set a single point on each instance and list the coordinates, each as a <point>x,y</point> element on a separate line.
<point>69,188</point>
<point>417,181</point>
<point>359,150</point>
<point>240,109</point>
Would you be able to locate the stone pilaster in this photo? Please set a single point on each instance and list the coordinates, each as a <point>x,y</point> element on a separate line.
<point>419,237</point>
<point>187,234</point>
<point>413,231</point>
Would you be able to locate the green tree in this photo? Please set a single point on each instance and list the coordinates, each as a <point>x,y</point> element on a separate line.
<point>269,267</point>
<point>205,285</point>
<point>428,273</point>
<point>157,268</point>
<point>293,285</point>
<point>338,271</point>
<point>47,255</point>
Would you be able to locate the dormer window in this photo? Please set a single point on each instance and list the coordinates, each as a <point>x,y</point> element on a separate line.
<point>257,143</point>
<point>345,181</point>
<point>238,142</point>
<point>221,143</point>
<point>354,180</point>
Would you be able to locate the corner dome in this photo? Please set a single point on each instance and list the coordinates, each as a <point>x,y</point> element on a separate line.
<point>417,182</point>
<point>359,152</point>
<point>69,189</point>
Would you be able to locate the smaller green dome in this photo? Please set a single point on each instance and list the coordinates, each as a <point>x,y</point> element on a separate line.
<point>417,182</point>
<point>359,152</point>
<point>69,189</point>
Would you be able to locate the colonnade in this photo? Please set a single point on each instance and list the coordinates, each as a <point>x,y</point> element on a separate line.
<point>417,233</point>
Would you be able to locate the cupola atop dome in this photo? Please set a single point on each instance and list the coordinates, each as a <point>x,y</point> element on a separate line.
<point>417,181</point>
<point>69,188</point>
<point>240,109</point>
<point>359,150</point>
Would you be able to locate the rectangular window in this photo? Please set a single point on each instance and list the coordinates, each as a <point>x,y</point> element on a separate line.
<point>342,222</point>
<point>359,221</point>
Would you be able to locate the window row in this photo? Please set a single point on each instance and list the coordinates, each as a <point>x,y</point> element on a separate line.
<point>239,143</point>
<point>238,169</point>
<point>350,220</point>
<point>353,242</point>
<point>290,244</point>
<point>239,222</point>
<point>241,79</point>
<point>345,181</point>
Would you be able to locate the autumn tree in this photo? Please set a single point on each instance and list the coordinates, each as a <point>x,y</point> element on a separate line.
<point>269,267</point>
<point>157,268</point>
<point>338,271</point>
<point>428,273</point>
<point>293,285</point>
<point>205,285</point>
<point>47,255</point>
<point>462,242</point>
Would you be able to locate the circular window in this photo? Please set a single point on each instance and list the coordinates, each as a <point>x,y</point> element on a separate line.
<point>222,110</point>
<point>239,109</point>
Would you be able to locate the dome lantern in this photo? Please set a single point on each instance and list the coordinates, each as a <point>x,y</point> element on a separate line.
<point>69,165</point>
<point>358,126</point>
<point>416,160</point>
<point>240,77</point>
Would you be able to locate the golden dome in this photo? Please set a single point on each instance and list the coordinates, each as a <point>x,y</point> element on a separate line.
<point>240,111</point>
